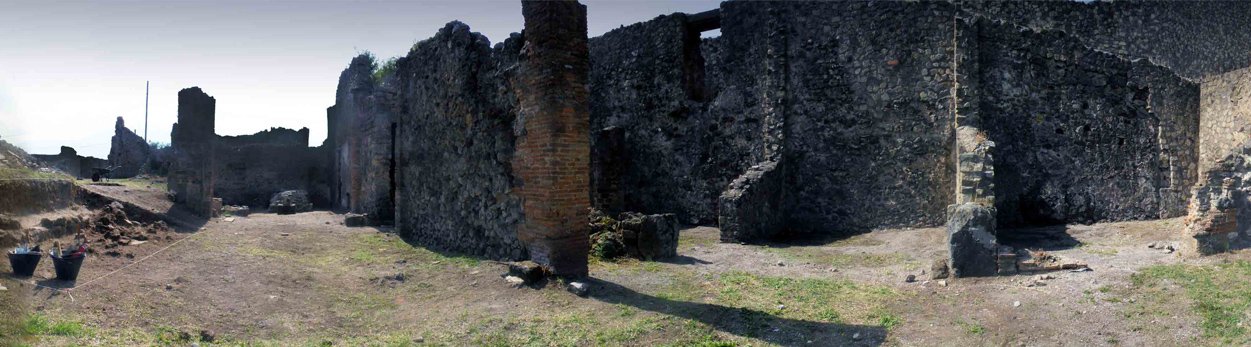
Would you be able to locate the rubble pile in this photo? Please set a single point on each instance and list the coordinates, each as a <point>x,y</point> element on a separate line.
<point>110,228</point>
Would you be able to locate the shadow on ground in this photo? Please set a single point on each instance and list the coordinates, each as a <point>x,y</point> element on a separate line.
<point>744,322</point>
<point>798,239</point>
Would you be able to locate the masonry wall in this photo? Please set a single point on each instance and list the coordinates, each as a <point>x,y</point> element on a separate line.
<point>252,168</point>
<point>71,163</point>
<point>552,161</point>
<point>869,119</point>
<point>363,163</point>
<point>1192,38</point>
<point>455,145</point>
<point>1081,135</point>
<point>646,81</point>
<point>1225,102</point>
<point>193,161</point>
<point>858,126</point>
<point>129,153</point>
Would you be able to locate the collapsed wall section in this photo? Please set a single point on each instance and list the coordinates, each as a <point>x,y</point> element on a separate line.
<point>455,145</point>
<point>1081,135</point>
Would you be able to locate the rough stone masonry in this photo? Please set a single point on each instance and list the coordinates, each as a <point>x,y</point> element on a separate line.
<point>192,167</point>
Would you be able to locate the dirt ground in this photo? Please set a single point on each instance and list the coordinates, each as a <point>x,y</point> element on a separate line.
<point>306,279</point>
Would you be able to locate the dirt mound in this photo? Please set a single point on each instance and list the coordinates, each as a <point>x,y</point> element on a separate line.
<point>110,228</point>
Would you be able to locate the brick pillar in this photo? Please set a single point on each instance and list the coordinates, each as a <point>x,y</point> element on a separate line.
<point>193,139</point>
<point>552,160</point>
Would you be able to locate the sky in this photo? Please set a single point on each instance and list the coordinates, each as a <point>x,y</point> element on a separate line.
<point>68,69</point>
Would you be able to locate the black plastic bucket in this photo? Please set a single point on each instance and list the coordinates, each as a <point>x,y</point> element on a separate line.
<point>24,264</point>
<point>67,268</point>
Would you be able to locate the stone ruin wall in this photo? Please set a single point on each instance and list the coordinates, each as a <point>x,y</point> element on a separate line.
<point>250,169</point>
<point>1226,116</point>
<point>129,154</point>
<point>69,162</point>
<point>833,115</point>
<point>1219,206</point>
<point>874,118</point>
<point>362,138</point>
<point>1080,135</point>
<point>1194,39</point>
<point>455,143</point>
<point>192,164</point>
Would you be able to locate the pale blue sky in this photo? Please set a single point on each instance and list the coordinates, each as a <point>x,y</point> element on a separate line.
<point>68,69</point>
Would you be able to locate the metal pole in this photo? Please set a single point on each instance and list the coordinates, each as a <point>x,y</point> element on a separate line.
<point>147,87</point>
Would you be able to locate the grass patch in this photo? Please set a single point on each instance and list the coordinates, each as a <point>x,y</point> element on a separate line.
<point>141,183</point>
<point>390,248</point>
<point>821,300</point>
<point>971,328</point>
<point>38,325</point>
<point>1219,294</point>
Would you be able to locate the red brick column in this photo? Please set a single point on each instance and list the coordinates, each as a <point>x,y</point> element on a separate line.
<point>553,147</point>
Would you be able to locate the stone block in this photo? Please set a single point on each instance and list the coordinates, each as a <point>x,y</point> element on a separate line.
<point>650,237</point>
<point>971,241</point>
<point>356,220</point>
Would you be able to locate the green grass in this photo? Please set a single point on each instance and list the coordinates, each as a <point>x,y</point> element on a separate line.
<point>141,183</point>
<point>1219,294</point>
<point>811,299</point>
<point>38,325</point>
<point>971,328</point>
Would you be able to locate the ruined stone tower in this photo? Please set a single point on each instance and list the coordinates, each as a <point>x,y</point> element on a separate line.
<point>192,166</point>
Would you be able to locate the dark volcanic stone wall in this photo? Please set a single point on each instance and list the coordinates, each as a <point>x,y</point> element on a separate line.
<point>1193,38</point>
<point>455,145</point>
<point>869,135</point>
<point>193,161</point>
<point>362,142</point>
<point>129,153</point>
<point>1083,136</point>
<point>252,168</point>
<point>859,126</point>
<point>647,81</point>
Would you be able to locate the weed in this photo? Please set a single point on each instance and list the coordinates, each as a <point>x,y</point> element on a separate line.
<point>972,328</point>
<point>1220,294</point>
